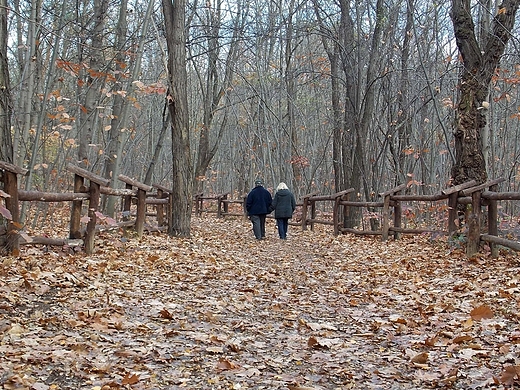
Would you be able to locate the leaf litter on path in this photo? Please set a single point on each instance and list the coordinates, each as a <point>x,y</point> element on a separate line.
<point>221,310</point>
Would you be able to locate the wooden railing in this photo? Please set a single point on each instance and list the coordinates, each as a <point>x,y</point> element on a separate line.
<point>474,197</point>
<point>97,186</point>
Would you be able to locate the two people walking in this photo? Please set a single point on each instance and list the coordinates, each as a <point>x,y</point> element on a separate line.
<point>259,203</point>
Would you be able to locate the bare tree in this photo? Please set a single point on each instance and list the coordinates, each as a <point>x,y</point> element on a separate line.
<point>174,21</point>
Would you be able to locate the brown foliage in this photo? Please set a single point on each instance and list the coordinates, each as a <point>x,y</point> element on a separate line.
<point>221,310</point>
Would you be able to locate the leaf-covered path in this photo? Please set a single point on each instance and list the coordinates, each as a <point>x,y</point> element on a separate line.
<point>223,311</point>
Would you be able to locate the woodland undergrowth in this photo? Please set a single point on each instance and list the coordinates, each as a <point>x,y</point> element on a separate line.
<point>221,310</point>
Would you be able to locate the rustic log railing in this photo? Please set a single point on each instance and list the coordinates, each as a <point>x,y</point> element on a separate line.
<point>474,197</point>
<point>470,194</point>
<point>91,193</point>
<point>222,204</point>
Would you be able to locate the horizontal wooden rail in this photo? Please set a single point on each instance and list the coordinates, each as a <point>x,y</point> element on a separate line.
<point>501,241</point>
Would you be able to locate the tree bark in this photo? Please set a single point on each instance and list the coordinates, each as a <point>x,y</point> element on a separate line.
<point>174,20</point>
<point>6,142</point>
<point>89,119</point>
<point>479,66</point>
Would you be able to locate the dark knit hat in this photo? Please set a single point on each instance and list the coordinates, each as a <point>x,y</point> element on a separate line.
<point>259,182</point>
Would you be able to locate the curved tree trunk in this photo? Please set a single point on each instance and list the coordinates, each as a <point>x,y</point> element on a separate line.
<point>479,64</point>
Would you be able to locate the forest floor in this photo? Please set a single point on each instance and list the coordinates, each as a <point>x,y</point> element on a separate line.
<point>224,311</point>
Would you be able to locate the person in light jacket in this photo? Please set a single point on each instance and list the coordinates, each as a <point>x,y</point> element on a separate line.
<point>258,204</point>
<point>283,205</point>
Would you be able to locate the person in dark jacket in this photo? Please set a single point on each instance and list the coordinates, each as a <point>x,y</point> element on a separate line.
<point>283,205</point>
<point>258,205</point>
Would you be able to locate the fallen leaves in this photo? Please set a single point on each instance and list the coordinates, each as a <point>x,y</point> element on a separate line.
<point>221,310</point>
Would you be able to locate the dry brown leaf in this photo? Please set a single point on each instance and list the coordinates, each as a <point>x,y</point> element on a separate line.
<point>130,379</point>
<point>462,339</point>
<point>166,314</point>
<point>510,375</point>
<point>225,364</point>
<point>298,387</point>
<point>481,313</point>
<point>421,358</point>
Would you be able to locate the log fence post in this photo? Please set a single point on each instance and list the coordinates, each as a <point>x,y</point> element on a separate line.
<point>142,189</point>
<point>10,179</point>
<point>386,210</point>
<point>93,204</point>
<point>75,214</point>
<point>493,221</point>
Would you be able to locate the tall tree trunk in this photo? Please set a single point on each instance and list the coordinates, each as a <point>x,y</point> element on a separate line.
<point>174,20</point>
<point>479,65</point>
<point>118,122</point>
<point>6,142</point>
<point>214,88</point>
<point>89,117</point>
<point>28,71</point>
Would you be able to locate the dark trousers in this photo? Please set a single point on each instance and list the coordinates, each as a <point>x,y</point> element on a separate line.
<point>283,225</point>
<point>258,225</point>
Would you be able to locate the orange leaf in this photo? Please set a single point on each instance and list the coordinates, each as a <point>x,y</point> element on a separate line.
<point>481,312</point>
<point>130,379</point>
<point>166,314</point>
<point>461,339</point>
<point>421,358</point>
<point>224,364</point>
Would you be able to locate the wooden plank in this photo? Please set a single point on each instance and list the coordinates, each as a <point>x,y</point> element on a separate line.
<point>135,183</point>
<point>361,204</point>
<point>493,222</point>
<point>460,187</point>
<point>393,190</point>
<point>10,180</point>
<point>38,196</point>
<point>156,201</point>
<point>490,183</point>
<point>141,212</point>
<point>127,204</point>
<point>474,217</point>
<point>453,216</point>
<point>13,168</point>
<point>362,232</point>
<point>117,191</point>
<point>417,231</point>
<point>419,198</point>
<point>162,188</point>
<point>38,240</point>
<point>501,241</point>
<point>501,195</point>
<point>386,217</point>
<point>88,175</point>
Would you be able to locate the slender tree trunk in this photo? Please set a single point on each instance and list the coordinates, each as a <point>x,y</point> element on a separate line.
<point>479,65</point>
<point>89,117</point>
<point>215,87</point>
<point>117,126</point>
<point>6,142</point>
<point>174,19</point>
<point>25,103</point>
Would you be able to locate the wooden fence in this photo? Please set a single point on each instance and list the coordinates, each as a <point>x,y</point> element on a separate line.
<point>473,197</point>
<point>135,191</point>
